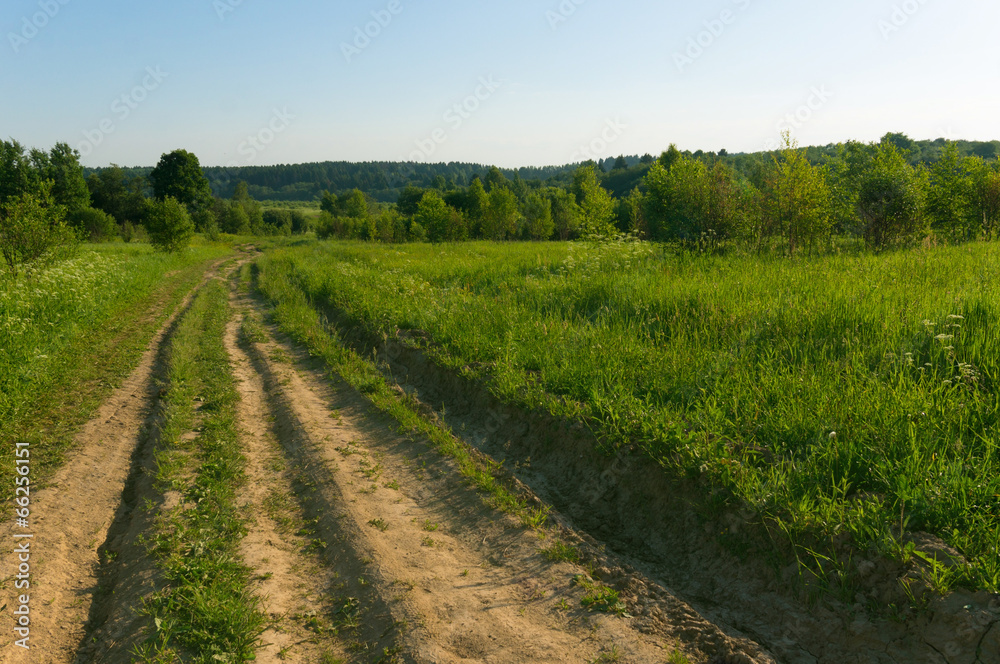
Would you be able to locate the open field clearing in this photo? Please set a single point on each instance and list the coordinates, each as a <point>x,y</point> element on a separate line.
<point>261,488</point>
<point>831,420</point>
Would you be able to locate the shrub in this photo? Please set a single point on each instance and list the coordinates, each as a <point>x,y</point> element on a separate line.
<point>93,224</point>
<point>169,225</point>
<point>31,229</point>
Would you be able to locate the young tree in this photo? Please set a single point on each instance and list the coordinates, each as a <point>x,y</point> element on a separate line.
<point>432,214</point>
<point>677,202</point>
<point>500,221</point>
<point>31,228</point>
<point>565,214</point>
<point>477,203</point>
<point>61,166</point>
<point>797,199</point>
<point>889,196</point>
<point>178,175</point>
<point>169,225</point>
<point>948,195</point>
<point>538,214</point>
<point>596,205</point>
<point>985,194</point>
<point>17,176</point>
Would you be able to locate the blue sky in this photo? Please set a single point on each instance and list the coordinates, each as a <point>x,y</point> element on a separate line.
<point>517,83</point>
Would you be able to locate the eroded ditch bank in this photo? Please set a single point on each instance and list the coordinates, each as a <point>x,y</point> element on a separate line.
<point>657,530</point>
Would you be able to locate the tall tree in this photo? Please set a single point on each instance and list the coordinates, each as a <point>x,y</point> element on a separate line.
<point>797,200</point>
<point>596,205</point>
<point>69,187</point>
<point>948,195</point>
<point>432,214</point>
<point>178,175</point>
<point>500,221</point>
<point>538,215</point>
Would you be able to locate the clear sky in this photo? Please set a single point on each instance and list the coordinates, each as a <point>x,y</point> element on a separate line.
<point>514,83</point>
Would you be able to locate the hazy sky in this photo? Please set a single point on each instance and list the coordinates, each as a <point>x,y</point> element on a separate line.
<point>520,82</point>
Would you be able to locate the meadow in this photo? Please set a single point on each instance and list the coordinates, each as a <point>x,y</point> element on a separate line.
<point>845,395</point>
<point>72,328</point>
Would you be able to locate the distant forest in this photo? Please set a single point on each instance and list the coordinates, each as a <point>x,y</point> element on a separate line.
<point>385,181</point>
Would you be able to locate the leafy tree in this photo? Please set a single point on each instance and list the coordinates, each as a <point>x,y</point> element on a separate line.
<point>890,196</point>
<point>501,218</point>
<point>670,157</point>
<point>330,204</point>
<point>565,214</point>
<point>677,202</point>
<point>31,228</point>
<point>253,210</point>
<point>984,196</point>
<point>300,222</point>
<point>235,219</point>
<point>169,225</point>
<point>596,205</point>
<point>432,214</point>
<point>496,180</point>
<point>620,163</point>
<point>17,176</point>
<point>113,192</point>
<point>178,175</point>
<point>477,205</point>
<point>538,214</point>
<point>409,199</point>
<point>62,167</point>
<point>277,222</point>
<point>948,195</point>
<point>93,224</point>
<point>797,201</point>
<point>356,205</point>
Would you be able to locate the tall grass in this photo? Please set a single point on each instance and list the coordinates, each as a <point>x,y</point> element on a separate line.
<point>838,394</point>
<point>72,332</point>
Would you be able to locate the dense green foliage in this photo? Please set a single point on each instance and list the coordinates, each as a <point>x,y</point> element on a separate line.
<point>169,225</point>
<point>837,394</point>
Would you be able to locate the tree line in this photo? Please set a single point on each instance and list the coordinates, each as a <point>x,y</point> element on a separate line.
<point>873,191</point>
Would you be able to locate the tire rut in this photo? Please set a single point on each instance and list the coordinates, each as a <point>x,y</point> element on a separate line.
<point>77,516</point>
<point>454,579</point>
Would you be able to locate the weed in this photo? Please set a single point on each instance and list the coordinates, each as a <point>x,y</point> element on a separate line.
<point>561,552</point>
<point>380,524</point>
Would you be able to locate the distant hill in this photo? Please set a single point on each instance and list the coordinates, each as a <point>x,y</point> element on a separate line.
<point>384,180</point>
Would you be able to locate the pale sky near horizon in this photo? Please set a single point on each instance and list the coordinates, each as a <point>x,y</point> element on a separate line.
<point>518,83</point>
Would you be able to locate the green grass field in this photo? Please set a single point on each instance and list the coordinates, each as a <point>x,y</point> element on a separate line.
<point>846,393</point>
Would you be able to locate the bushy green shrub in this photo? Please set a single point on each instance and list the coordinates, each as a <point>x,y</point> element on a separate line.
<point>93,224</point>
<point>169,225</point>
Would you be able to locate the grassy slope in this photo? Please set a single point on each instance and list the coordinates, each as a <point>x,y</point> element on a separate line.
<point>73,333</point>
<point>844,393</point>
